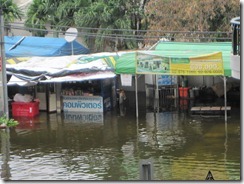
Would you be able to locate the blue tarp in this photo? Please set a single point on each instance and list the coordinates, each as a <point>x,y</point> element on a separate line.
<point>21,46</point>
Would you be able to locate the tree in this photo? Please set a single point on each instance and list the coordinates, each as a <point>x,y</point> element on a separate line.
<point>37,17</point>
<point>11,12</point>
<point>57,13</point>
<point>62,13</point>
<point>190,16</point>
<point>113,23</point>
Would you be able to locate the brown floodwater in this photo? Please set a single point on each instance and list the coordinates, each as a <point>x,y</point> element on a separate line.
<point>73,146</point>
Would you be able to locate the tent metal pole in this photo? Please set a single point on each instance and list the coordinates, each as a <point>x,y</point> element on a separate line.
<point>156,98</point>
<point>225,98</point>
<point>136,96</point>
<point>4,90</point>
<point>72,48</point>
<point>156,80</point>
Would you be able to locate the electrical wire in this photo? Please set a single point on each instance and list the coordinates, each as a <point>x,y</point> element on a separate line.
<point>12,25</point>
<point>127,34</point>
<point>152,38</point>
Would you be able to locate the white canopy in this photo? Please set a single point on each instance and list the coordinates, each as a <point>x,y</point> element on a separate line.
<point>30,71</point>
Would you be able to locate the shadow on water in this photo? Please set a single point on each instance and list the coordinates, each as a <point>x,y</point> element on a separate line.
<point>109,146</point>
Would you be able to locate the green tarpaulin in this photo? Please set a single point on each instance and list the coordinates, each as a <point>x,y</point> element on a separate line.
<point>170,48</point>
<point>126,63</point>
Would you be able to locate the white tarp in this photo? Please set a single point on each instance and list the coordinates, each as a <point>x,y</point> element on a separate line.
<point>54,66</point>
<point>81,77</point>
<point>16,81</point>
<point>59,69</point>
<point>68,78</point>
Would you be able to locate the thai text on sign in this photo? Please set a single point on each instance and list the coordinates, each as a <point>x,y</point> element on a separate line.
<point>82,104</point>
<point>208,64</point>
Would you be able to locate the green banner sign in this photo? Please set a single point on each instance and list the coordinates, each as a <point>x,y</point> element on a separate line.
<point>209,64</point>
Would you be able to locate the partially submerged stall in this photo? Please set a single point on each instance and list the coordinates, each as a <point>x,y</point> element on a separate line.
<point>178,59</point>
<point>78,83</point>
<point>164,59</point>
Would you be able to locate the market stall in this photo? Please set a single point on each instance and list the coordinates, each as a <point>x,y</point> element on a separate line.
<point>88,96</point>
<point>178,59</point>
<point>167,58</point>
<point>62,81</point>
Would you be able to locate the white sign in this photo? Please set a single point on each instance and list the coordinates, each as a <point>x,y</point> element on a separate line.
<point>82,104</point>
<point>71,34</point>
<point>126,79</point>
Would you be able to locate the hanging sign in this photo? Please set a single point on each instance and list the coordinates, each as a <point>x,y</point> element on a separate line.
<point>126,79</point>
<point>152,64</point>
<point>209,64</point>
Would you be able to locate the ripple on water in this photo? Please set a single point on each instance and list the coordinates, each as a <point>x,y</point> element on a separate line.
<point>113,150</point>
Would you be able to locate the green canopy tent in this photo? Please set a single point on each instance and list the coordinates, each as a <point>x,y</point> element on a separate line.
<point>172,49</point>
<point>127,62</point>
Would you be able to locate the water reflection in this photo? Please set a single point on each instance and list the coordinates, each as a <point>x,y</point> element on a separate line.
<point>5,150</point>
<point>83,117</point>
<point>71,147</point>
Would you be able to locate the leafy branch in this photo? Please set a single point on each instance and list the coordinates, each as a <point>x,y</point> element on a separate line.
<point>6,122</point>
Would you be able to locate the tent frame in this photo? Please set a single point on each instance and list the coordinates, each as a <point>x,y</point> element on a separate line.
<point>156,95</point>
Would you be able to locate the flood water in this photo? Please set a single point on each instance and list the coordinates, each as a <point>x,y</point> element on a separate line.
<point>112,147</point>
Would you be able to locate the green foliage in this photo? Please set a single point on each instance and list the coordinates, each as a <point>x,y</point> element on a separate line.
<point>10,10</point>
<point>114,19</point>
<point>4,121</point>
<point>37,18</point>
<point>59,14</point>
<point>110,25</point>
<point>111,21</point>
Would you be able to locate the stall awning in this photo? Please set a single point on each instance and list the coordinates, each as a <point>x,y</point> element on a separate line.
<point>63,68</point>
<point>28,46</point>
<point>80,77</point>
<point>175,48</point>
<point>175,57</point>
<point>17,81</point>
<point>128,61</point>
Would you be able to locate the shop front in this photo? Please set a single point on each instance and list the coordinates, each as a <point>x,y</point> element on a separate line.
<point>96,96</point>
<point>46,93</point>
<point>82,104</point>
<point>68,84</point>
